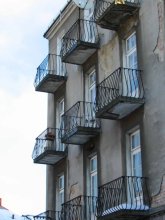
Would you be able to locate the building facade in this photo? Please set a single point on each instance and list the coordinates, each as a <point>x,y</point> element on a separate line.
<point>104,142</point>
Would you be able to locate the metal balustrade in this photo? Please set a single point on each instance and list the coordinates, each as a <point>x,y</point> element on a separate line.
<point>127,194</point>
<point>80,208</point>
<point>48,143</point>
<point>48,215</point>
<point>53,70</point>
<point>79,120</point>
<point>28,217</point>
<point>82,37</point>
<point>109,14</point>
<point>123,85</point>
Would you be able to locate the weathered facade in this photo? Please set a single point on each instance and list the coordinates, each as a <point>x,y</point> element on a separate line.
<point>104,143</point>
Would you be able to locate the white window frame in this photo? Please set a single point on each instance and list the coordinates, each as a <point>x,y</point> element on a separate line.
<point>130,152</point>
<point>59,113</point>
<point>135,151</point>
<point>91,86</point>
<point>60,65</point>
<point>128,53</point>
<point>130,86</point>
<point>60,192</point>
<point>92,174</point>
<point>90,119</point>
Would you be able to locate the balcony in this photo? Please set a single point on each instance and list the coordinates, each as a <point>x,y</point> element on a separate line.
<point>80,208</point>
<point>79,124</point>
<point>119,94</point>
<point>80,42</point>
<point>124,198</point>
<point>48,148</point>
<point>27,217</point>
<point>51,74</point>
<point>111,15</point>
<point>48,215</point>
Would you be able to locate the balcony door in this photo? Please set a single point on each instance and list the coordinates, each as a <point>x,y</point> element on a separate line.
<point>130,74</point>
<point>92,187</point>
<point>59,192</point>
<point>59,113</point>
<point>89,26</point>
<point>60,65</point>
<point>90,91</point>
<point>134,167</point>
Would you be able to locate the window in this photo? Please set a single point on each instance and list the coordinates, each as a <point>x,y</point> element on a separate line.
<point>131,52</point>
<point>90,92</point>
<point>89,29</point>
<point>93,190</point>
<point>134,166</point>
<point>60,65</point>
<point>130,74</point>
<point>60,192</point>
<point>93,176</point>
<point>92,87</point>
<point>136,153</point>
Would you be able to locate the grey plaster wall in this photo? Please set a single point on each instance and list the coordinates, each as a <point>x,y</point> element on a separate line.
<point>111,143</point>
<point>153,50</point>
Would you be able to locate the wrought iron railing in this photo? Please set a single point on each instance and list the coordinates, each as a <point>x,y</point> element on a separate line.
<point>101,6</point>
<point>28,217</point>
<point>53,65</point>
<point>80,208</point>
<point>124,193</point>
<point>81,114</point>
<point>49,215</point>
<point>48,140</point>
<point>123,82</point>
<point>82,31</point>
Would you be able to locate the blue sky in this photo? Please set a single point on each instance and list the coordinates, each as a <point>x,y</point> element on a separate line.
<point>22,110</point>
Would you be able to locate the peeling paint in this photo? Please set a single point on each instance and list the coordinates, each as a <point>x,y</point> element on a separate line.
<point>159,48</point>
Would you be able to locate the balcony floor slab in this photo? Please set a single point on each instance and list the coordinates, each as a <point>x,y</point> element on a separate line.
<point>80,135</point>
<point>119,108</point>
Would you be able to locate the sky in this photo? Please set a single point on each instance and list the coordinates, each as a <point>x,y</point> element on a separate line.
<point>23,112</point>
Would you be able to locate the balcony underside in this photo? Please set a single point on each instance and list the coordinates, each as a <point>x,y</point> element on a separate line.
<point>50,83</point>
<point>119,108</point>
<point>80,135</point>
<point>50,157</point>
<point>79,52</point>
<point>125,214</point>
<point>115,15</point>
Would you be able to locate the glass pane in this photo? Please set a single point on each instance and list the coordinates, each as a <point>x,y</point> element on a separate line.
<point>61,197</point>
<point>135,142</point>
<point>132,60</point>
<point>61,182</point>
<point>92,78</point>
<point>92,94</point>
<point>137,165</point>
<point>93,164</point>
<point>94,185</point>
<point>131,42</point>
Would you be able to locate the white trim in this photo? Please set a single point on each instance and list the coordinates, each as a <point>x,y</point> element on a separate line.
<point>129,151</point>
<point>60,192</point>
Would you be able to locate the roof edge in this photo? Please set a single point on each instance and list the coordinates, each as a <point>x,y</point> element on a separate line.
<point>45,35</point>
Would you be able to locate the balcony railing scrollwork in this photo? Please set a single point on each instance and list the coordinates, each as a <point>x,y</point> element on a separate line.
<point>80,208</point>
<point>48,215</point>
<point>79,123</point>
<point>80,42</point>
<point>48,143</point>
<point>126,196</point>
<point>123,87</point>
<point>51,73</point>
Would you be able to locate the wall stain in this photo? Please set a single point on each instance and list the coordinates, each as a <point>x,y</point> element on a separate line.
<point>159,48</point>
